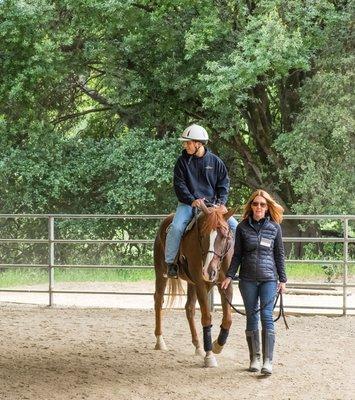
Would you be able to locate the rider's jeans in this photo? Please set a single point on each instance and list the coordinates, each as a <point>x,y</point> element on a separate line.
<point>183,216</point>
<point>251,292</point>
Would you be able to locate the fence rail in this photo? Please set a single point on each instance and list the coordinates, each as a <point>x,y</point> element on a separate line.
<point>51,241</point>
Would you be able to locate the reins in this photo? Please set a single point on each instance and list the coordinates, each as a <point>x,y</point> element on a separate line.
<point>281,307</point>
<point>221,256</point>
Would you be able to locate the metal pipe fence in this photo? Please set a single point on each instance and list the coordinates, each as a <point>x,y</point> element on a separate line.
<point>52,241</point>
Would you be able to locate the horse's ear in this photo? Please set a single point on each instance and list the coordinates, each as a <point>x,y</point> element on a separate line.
<point>229,214</point>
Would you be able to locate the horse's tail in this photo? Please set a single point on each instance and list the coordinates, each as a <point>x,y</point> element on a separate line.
<point>175,289</point>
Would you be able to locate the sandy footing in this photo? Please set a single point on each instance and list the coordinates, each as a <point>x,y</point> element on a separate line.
<point>108,354</point>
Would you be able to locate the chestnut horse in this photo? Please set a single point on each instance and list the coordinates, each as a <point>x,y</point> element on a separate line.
<point>205,254</point>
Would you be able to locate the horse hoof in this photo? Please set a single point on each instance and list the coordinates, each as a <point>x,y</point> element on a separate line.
<point>210,361</point>
<point>216,348</point>
<point>160,344</point>
<point>199,352</point>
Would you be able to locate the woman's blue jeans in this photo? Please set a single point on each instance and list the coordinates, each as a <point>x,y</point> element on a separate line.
<point>252,292</point>
<point>182,217</point>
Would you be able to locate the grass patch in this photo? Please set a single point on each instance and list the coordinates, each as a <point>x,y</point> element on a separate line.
<point>102,275</point>
<point>304,271</point>
<point>31,276</point>
<point>323,273</point>
<point>22,276</point>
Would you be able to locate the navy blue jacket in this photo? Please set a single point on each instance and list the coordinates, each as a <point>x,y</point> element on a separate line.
<point>259,252</point>
<point>201,177</point>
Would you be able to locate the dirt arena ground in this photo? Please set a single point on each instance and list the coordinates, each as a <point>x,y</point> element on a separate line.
<point>108,354</point>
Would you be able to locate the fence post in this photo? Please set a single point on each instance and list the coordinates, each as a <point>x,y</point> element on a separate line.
<point>346,259</point>
<point>50,259</point>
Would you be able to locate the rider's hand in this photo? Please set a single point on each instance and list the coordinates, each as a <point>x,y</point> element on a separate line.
<point>197,203</point>
<point>226,282</point>
<point>281,287</point>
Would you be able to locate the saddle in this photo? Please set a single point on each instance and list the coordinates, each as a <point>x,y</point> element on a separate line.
<point>189,226</point>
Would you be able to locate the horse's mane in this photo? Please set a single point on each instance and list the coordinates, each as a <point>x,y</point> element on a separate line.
<point>213,221</point>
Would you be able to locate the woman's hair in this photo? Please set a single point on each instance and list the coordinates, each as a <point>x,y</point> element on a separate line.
<point>274,209</point>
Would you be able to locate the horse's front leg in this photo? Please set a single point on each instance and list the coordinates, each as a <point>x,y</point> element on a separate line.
<point>219,343</point>
<point>190,308</point>
<point>206,319</point>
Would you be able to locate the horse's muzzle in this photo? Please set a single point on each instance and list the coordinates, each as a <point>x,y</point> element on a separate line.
<point>210,274</point>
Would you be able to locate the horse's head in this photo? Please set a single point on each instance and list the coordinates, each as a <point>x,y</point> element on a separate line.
<point>216,240</point>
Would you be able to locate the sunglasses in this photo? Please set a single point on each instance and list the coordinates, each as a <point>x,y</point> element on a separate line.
<point>255,204</point>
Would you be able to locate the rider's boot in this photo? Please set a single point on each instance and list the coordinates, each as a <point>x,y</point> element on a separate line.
<point>172,271</point>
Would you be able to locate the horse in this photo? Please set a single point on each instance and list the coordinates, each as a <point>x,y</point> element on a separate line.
<point>205,254</point>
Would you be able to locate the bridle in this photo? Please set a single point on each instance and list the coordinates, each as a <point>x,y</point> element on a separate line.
<point>225,251</point>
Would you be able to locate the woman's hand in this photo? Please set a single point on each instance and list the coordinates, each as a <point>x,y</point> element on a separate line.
<point>281,287</point>
<point>226,282</point>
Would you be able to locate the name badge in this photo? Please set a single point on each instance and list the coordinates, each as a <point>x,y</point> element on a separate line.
<point>265,242</point>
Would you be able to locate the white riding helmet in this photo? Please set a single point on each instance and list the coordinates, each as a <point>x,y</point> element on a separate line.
<point>194,132</point>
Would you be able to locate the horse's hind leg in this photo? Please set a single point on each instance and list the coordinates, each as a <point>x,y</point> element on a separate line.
<point>160,285</point>
<point>190,308</point>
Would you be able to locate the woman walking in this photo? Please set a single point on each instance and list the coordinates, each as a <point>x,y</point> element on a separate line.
<point>259,252</point>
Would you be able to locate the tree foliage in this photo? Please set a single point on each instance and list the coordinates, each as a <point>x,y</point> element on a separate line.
<point>113,175</point>
<point>320,151</point>
<point>93,94</point>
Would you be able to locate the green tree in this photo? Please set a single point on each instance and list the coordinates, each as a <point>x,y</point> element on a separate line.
<point>77,73</point>
<point>320,150</point>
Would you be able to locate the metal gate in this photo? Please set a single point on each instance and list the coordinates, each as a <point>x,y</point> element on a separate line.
<point>51,241</point>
